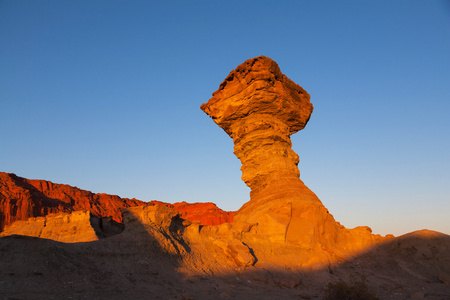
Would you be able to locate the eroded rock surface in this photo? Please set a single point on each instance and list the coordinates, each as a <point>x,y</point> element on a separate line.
<point>186,239</point>
<point>78,226</point>
<point>207,213</point>
<point>161,256</point>
<point>22,198</point>
<point>259,107</point>
<point>283,243</point>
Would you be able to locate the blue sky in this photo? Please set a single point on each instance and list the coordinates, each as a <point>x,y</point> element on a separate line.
<point>105,96</point>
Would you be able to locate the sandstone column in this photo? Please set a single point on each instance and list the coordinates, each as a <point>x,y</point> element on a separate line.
<point>259,107</point>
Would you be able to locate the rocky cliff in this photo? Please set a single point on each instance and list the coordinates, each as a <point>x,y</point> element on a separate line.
<point>22,198</point>
<point>75,227</point>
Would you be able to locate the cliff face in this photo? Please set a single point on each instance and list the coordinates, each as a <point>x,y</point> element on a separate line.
<point>75,227</point>
<point>22,198</point>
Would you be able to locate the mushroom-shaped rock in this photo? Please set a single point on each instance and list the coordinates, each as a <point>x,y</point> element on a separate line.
<point>259,107</point>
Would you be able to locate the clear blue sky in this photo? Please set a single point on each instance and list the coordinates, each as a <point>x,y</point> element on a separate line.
<point>105,96</point>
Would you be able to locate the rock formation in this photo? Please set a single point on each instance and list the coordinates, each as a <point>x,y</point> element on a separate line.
<point>211,247</point>
<point>207,213</point>
<point>283,243</point>
<point>22,198</point>
<point>78,226</point>
<point>259,107</point>
<point>161,256</point>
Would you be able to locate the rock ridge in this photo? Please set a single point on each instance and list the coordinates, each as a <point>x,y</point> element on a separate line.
<point>22,198</point>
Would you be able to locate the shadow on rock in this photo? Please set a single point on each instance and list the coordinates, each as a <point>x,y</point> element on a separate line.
<point>133,264</point>
<point>161,256</point>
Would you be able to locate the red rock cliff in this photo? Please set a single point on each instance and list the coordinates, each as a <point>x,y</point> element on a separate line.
<point>22,198</point>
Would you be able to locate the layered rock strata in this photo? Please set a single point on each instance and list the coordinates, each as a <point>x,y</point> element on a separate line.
<point>22,198</point>
<point>259,108</point>
<point>199,247</point>
<point>78,226</point>
<point>161,256</point>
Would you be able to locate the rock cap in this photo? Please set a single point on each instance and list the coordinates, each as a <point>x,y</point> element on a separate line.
<point>257,86</point>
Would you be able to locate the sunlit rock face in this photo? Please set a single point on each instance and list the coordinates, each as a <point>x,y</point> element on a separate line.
<point>22,198</point>
<point>206,213</point>
<point>74,227</point>
<point>259,107</point>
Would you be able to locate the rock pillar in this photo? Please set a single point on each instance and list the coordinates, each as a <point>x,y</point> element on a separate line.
<point>259,107</point>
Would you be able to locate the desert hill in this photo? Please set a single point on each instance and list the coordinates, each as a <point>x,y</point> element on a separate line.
<point>281,244</point>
